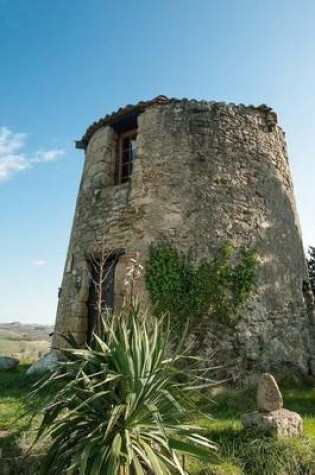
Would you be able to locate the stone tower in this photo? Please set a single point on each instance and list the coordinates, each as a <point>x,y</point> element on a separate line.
<point>198,173</point>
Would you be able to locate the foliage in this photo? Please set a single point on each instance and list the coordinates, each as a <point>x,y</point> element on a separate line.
<point>13,388</point>
<point>122,408</point>
<point>16,436</point>
<point>240,452</point>
<point>216,288</point>
<point>252,453</point>
<point>311,267</point>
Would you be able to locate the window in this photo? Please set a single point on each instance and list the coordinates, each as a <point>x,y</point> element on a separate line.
<point>126,155</point>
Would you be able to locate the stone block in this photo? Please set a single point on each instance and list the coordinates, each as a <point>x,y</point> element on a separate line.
<point>78,324</point>
<point>252,350</point>
<point>269,397</point>
<point>83,294</point>
<point>80,337</point>
<point>281,423</point>
<point>81,310</point>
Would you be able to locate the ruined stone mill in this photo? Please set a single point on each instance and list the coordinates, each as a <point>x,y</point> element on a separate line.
<point>197,173</point>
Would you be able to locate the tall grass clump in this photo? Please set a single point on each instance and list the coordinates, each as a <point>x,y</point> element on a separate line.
<point>256,453</point>
<point>124,406</point>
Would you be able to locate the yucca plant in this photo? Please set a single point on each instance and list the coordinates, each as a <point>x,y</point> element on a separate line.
<point>125,407</point>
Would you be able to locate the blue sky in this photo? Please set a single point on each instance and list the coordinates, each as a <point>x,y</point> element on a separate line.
<point>65,63</point>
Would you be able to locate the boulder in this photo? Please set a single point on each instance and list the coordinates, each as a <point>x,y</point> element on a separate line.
<point>269,397</point>
<point>282,423</point>
<point>8,363</point>
<point>47,363</point>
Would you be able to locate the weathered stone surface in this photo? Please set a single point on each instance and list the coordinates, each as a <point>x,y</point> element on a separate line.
<point>271,417</point>
<point>8,363</point>
<point>311,364</point>
<point>44,365</point>
<point>269,397</point>
<point>281,423</point>
<point>205,172</point>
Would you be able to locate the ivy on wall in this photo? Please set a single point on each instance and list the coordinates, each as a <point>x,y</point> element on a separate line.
<point>211,288</point>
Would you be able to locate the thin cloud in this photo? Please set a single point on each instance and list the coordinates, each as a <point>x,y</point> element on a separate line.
<point>39,263</point>
<point>12,157</point>
<point>49,155</point>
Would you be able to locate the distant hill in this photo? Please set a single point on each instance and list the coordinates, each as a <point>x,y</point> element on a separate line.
<point>25,341</point>
<point>23,331</point>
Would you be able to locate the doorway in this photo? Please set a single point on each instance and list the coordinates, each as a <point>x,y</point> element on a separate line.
<point>101,294</point>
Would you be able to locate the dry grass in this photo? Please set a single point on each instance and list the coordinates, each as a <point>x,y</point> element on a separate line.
<point>23,349</point>
<point>25,342</point>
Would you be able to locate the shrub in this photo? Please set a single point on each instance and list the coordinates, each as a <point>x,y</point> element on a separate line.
<point>214,288</point>
<point>124,408</point>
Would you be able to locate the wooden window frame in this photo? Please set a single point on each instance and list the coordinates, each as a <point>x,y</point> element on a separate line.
<point>119,178</point>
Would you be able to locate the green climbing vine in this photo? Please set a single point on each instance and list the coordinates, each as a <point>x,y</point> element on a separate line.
<point>212,288</point>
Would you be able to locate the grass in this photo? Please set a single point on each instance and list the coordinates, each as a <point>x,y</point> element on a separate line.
<point>249,453</point>
<point>22,349</point>
<point>16,435</point>
<point>242,452</point>
<point>14,388</point>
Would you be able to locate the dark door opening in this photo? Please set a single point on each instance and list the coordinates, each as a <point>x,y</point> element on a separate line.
<point>101,295</point>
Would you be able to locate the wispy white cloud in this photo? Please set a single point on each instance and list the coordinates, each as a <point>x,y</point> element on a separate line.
<point>49,155</point>
<point>12,157</point>
<point>39,262</point>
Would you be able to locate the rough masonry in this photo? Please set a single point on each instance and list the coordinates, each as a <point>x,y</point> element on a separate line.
<point>205,172</point>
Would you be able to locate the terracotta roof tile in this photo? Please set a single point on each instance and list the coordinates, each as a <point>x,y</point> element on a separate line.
<point>114,117</point>
<point>139,107</point>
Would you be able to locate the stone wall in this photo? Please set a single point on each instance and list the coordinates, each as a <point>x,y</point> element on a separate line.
<point>205,172</point>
